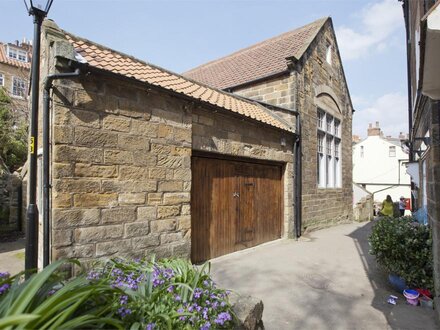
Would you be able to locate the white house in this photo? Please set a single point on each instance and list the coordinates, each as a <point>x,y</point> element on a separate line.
<point>379,166</point>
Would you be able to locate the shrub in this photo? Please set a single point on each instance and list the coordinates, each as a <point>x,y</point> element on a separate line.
<point>45,301</point>
<point>168,294</point>
<point>404,247</point>
<point>13,140</point>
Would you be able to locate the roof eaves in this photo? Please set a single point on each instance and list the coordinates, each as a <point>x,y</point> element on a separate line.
<point>287,127</point>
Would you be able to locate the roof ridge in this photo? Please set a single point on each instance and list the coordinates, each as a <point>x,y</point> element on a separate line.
<point>322,20</point>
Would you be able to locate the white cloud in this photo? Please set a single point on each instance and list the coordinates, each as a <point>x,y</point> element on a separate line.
<point>377,23</point>
<point>390,110</point>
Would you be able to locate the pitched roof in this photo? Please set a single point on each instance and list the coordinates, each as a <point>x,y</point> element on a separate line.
<point>261,60</point>
<point>110,60</point>
<point>4,58</point>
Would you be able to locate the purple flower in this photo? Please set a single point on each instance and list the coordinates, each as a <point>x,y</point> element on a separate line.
<point>222,318</point>
<point>177,297</point>
<point>123,299</point>
<point>205,313</point>
<point>170,288</point>
<point>93,276</point>
<point>214,305</point>
<point>197,293</point>
<point>180,310</point>
<point>4,288</point>
<point>150,326</point>
<point>4,275</point>
<point>206,326</point>
<point>123,312</point>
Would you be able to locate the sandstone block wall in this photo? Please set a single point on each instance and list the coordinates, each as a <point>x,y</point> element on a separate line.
<point>321,207</point>
<point>121,175</point>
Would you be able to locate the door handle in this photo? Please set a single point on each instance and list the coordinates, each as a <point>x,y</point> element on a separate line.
<point>235,194</point>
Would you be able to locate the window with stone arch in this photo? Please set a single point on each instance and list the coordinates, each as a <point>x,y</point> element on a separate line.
<point>329,138</point>
<point>328,150</point>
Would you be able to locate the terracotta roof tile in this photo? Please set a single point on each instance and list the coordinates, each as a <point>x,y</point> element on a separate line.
<point>7,60</point>
<point>258,61</point>
<point>125,65</point>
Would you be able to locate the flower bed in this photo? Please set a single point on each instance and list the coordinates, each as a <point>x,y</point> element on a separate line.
<point>169,294</point>
<point>122,294</point>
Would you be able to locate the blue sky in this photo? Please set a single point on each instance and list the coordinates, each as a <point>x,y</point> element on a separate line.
<point>179,35</point>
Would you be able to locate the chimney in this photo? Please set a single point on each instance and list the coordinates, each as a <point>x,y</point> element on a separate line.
<point>402,136</point>
<point>374,131</point>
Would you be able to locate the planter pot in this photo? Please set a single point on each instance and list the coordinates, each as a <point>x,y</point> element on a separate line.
<point>397,282</point>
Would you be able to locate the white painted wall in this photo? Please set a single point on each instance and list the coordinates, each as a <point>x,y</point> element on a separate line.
<point>377,170</point>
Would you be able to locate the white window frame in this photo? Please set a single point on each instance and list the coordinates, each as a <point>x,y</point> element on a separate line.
<point>329,172</point>
<point>16,89</point>
<point>362,151</point>
<point>17,54</point>
<point>2,79</point>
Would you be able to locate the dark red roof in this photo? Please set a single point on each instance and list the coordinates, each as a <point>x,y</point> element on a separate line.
<point>258,61</point>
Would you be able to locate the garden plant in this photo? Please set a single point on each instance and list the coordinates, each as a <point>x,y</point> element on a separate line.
<point>403,247</point>
<point>116,294</point>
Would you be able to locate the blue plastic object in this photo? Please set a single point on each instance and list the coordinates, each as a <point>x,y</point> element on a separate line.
<point>397,282</point>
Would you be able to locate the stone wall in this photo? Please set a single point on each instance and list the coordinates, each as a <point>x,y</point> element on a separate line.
<point>11,199</point>
<point>364,209</point>
<point>298,91</point>
<point>223,134</point>
<point>433,190</point>
<point>121,171</point>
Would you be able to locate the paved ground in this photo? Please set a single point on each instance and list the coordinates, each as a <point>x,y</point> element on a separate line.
<point>324,281</point>
<point>12,256</point>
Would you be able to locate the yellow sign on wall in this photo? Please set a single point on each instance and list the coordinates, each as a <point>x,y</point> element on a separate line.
<point>31,145</point>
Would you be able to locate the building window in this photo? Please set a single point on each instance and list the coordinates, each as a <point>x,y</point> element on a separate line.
<point>362,151</point>
<point>392,151</point>
<point>2,79</point>
<point>18,87</point>
<point>320,120</point>
<point>17,54</point>
<point>328,55</point>
<point>328,151</point>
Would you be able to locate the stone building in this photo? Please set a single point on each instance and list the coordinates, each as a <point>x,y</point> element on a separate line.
<point>146,161</point>
<point>15,64</point>
<point>422,22</point>
<point>301,70</point>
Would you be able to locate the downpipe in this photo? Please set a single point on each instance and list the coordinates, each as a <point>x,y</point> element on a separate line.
<point>48,84</point>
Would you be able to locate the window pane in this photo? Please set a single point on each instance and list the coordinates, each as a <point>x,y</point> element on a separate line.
<point>392,151</point>
<point>337,126</point>
<point>329,124</point>
<point>320,122</point>
<point>18,87</point>
<point>1,80</point>
<point>12,53</point>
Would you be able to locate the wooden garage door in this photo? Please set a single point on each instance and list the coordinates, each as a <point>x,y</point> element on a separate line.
<point>234,205</point>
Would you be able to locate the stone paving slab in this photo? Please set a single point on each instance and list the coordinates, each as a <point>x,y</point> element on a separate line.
<point>12,256</point>
<point>326,280</point>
